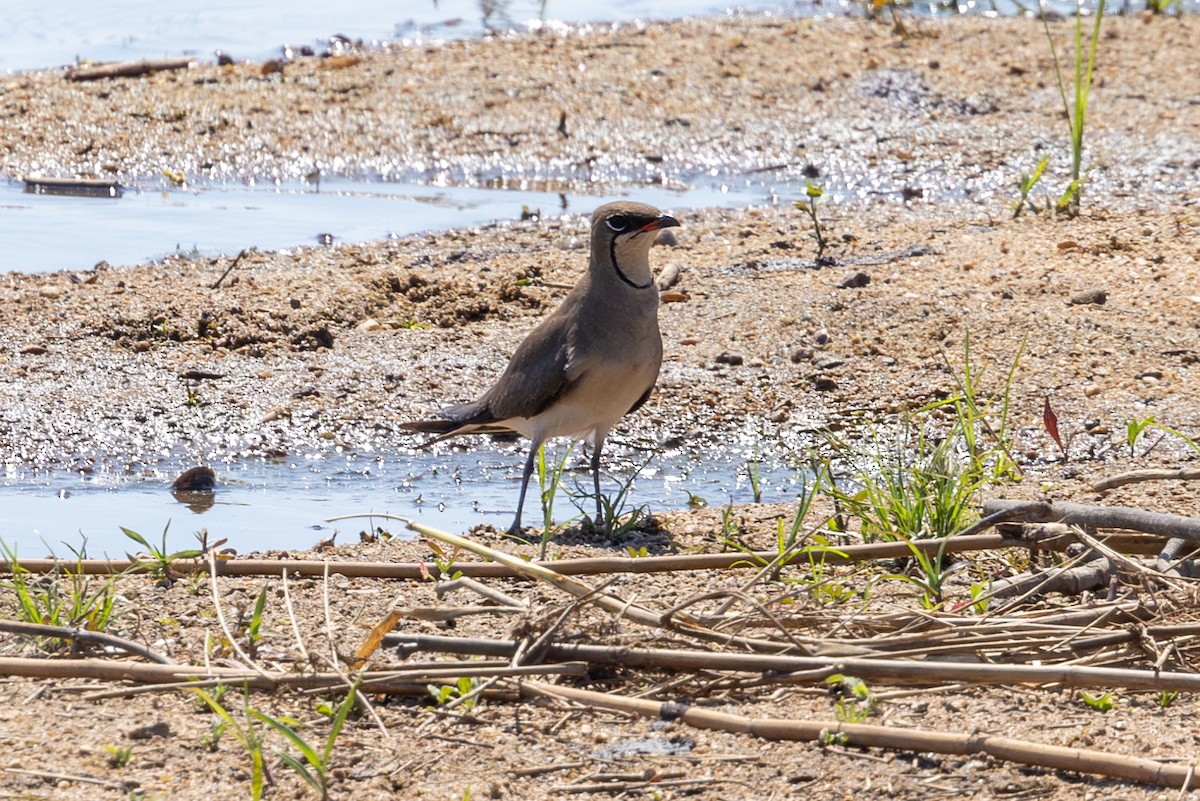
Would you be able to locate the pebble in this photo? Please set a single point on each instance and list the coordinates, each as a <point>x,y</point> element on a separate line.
<point>856,281</point>
<point>824,383</point>
<point>197,479</point>
<point>1093,297</point>
<point>726,357</point>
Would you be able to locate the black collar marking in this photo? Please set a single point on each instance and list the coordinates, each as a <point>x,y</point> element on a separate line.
<point>612,254</point>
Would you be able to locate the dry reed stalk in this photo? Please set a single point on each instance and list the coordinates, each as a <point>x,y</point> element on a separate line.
<point>1026,752</point>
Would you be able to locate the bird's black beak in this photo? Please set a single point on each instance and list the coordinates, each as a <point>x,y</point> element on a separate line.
<point>663,221</point>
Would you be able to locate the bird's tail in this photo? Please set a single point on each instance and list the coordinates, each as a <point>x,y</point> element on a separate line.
<point>446,427</point>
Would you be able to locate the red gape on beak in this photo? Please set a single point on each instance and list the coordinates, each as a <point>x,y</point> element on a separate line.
<point>665,221</point>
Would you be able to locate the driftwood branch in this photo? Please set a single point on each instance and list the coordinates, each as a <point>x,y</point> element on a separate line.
<point>84,635</point>
<point>128,69</point>
<point>1136,476</point>
<point>1026,752</point>
<point>1074,514</point>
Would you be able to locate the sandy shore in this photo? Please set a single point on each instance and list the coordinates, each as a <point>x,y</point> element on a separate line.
<point>332,347</point>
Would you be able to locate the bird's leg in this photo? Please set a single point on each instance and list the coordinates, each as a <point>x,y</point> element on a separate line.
<point>598,524</point>
<point>515,529</point>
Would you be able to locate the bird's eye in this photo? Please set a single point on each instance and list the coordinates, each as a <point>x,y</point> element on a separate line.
<point>618,223</point>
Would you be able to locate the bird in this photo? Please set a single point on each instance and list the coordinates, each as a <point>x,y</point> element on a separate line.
<point>593,360</point>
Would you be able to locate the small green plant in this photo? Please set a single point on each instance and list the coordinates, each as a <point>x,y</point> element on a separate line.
<point>636,553</point>
<point>413,324</point>
<point>549,475</point>
<point>1076,112</point>
<point>312,765</point>
<point>253,627</point>
<point>443,561</point>
<point>731,531</point>
<point>930,575</point>
<point>854,703</point>
<point>834,738</point>
<point>161,561</point>
<point>752,472</point>
<point>695,501</point>
<point>1166,698</point>
<point>1135,429</point>
<point>1101,702</point>
<point>118,755</point>
<point>980,597</point>
<point>813,194</point>
<point>443,694</point>
<point>248,736</point>
<point>1163,7</point>
<point>81,601</point>
<point>617,516</point>
<point>1026,185</point>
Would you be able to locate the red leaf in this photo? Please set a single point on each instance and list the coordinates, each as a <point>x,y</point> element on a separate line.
<point>1050,421</point>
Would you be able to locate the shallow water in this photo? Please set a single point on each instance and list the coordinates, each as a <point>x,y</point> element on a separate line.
<point>260,505</point>
<point>142,226</point>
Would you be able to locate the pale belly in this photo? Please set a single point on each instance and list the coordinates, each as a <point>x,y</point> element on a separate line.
<point>592,407</point>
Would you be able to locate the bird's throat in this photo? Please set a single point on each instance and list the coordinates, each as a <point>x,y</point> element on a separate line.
<point>616,263</point>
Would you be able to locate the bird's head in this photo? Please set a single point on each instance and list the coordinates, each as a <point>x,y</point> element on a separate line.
<point>622,234</point>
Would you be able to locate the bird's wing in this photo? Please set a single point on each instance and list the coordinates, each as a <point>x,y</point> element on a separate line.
<point>538,373</point>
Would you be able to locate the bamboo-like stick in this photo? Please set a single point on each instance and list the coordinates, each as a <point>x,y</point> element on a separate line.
<point>900,671</point>
<point>589,566</point>
<point>177,675</point>
<point>1011,749</point>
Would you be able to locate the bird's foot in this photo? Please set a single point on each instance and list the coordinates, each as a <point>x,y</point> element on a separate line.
<point>515,532</point>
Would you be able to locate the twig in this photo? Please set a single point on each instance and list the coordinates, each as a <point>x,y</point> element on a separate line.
<point>1135,476</point>
<point>603,600</point>
<point>83,635</point>
<point>465,582</point>
<point>287,600</point>
<point>539,770</point>
<point>128,69</point>
<point>217,284</point>
<point>1028,752</point>
<point>216,598</point>
<point>67,777</point>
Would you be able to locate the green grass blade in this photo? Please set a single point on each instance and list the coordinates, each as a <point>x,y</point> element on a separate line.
<point>310,754</point>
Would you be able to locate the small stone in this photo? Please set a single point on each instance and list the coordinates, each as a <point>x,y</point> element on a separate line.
<point>1094,297</point>
<point>821,338</point>
<point>856,281</point>
<point>198,479</point>
<point>801,355</point>
<point>726,357</point>
<point>159,729</point>
<point>1092,390</point>
<point>824,383</point>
